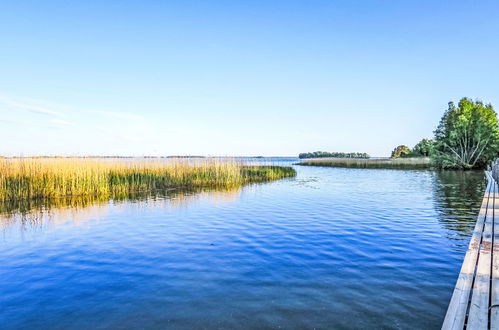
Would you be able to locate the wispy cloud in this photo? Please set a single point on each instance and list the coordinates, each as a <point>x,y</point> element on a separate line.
<point>8,121</point>
<point>30,107</point>
<point>16,122</point>
<point>52,117</point>
<point>35,109</point>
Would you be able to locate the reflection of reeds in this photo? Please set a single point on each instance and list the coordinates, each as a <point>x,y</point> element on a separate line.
<point>388,163</point>
<point>27,179</point>
<point>215,196</point>
<point>38,213</point>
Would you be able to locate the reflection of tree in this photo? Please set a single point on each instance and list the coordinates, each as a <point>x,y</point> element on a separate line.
<point>34,213</point>
<point>458,196</point>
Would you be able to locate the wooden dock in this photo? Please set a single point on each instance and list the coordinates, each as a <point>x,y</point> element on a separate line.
<point>475,301</point>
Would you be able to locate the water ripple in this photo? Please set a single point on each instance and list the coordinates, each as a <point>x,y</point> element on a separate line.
<point>333,248</point>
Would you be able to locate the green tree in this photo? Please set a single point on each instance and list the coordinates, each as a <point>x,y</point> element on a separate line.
<point>401,151</point>
<point>467,136</point>
<point>424,148</point>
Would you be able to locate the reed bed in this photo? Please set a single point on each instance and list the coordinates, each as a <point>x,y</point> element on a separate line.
<point>381,163</point>
<point>24,179</point>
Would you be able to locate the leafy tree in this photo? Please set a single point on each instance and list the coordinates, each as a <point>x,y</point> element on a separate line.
<point>467,136</point>
<point>424,148</point>
<point>401,151</point>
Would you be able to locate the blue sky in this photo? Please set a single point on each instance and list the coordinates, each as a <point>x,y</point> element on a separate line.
<point>233,78</point>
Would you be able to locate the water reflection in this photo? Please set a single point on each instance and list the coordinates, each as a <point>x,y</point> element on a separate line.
<point>332,249</point>
<point>37,214</point>
<point>457,198</point>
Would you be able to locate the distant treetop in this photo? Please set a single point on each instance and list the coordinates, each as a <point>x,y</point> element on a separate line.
<point>401,151</point>
<point>324,154</point>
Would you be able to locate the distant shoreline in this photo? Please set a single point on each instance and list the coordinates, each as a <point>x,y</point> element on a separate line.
<point>374,163</point>
<point>134,157</point>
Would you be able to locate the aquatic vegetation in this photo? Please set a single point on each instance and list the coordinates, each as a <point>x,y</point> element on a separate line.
<point>387,163</point>
<point>22,179</point>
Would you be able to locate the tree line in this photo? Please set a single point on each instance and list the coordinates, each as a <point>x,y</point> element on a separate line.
<point>324,154</point>
<point>467,137</point>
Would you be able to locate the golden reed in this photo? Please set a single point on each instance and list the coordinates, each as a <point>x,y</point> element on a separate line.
<point>52,178</point>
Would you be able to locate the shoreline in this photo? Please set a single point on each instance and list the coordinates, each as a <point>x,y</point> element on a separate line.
<point>416,163</point>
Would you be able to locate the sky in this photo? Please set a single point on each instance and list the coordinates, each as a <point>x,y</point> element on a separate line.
<point>238,78</point>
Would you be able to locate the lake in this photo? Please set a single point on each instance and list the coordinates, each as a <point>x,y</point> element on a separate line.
<point>331,248</point>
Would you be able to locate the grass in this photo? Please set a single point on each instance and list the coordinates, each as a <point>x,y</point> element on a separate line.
<point>27,179</point>
<point>395,163</point>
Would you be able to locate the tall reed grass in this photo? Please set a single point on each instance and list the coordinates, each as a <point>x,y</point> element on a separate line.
<point>22,179</point>
<point>382,163</point>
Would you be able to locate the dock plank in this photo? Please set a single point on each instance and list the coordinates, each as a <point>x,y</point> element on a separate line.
<point>479,309</point>
<point>458,307</point>
<point>494,301</point>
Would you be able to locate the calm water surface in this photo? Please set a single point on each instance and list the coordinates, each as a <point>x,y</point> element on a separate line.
<point>331,248</point>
